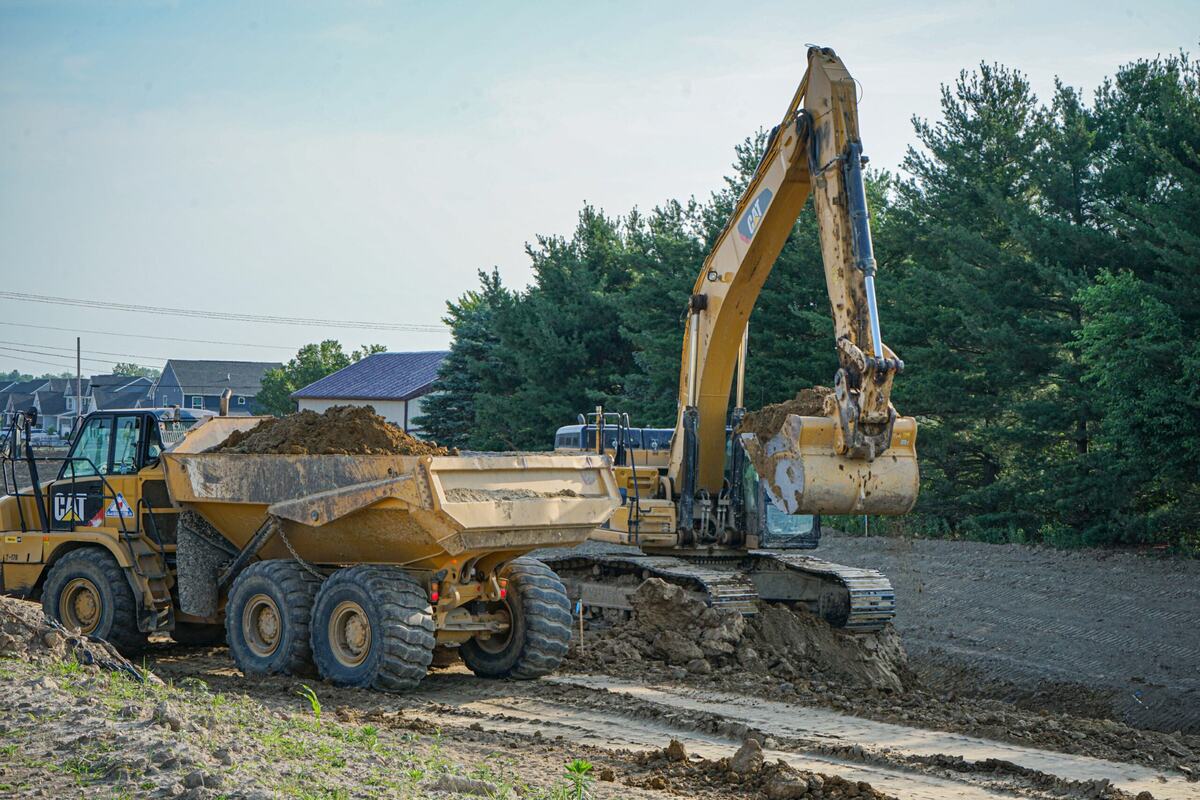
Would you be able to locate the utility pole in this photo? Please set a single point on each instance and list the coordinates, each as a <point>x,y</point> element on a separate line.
<point>78,384</point>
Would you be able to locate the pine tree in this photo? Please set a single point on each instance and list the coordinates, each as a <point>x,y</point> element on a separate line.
<point>449,411</point>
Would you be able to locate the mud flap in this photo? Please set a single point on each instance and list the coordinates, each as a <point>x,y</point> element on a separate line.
<point>201,555</point>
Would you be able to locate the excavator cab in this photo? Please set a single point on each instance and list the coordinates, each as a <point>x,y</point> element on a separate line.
<point>773,527</point>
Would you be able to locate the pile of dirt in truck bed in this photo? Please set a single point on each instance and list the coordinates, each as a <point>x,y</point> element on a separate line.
<point>340,430</point>
<point>767,421</point>
<point>678,630</point>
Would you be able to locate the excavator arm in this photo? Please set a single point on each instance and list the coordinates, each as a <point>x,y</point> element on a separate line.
<point>859,456</point>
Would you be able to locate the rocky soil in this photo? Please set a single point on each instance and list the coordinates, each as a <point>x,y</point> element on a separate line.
<point>78,721</point>
<point>340,430</point>
<point>676,631</point>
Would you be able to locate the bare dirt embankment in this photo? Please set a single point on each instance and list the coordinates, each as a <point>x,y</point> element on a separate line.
<point>1092,632</point>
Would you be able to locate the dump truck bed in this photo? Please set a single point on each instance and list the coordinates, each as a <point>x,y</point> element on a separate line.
<point>412,510</point>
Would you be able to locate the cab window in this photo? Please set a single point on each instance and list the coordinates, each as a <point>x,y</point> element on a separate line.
<point>89,456</point>
<point>126,443</point>
<point>154,445</point>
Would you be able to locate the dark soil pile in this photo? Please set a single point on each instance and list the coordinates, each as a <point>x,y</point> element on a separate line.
<point>677,629</point>
<point>747,773</point>
<point>341,430</point>
<point>767,421</point>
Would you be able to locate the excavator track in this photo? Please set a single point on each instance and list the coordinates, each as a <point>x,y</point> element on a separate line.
<point>605,580</point>
<point>852,598</point>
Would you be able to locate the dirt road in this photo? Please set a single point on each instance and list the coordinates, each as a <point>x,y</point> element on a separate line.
<point>1011,621</point>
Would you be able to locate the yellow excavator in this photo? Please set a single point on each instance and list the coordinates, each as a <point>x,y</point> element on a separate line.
<point>730,515</point>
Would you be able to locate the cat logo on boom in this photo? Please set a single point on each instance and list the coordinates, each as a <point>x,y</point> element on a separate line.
<point>748,225</point>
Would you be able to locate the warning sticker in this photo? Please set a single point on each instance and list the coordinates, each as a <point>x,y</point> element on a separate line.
<point>118,508</point>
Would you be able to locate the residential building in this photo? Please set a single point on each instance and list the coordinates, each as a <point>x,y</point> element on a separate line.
<point>17,396</point>
<point>393,383</point>
<point>55,398</point>
<point>199,384</point>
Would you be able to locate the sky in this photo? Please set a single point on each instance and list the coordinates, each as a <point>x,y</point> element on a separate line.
<point>360,161</point>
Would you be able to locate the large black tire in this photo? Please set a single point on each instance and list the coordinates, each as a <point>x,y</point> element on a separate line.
<point>539,634</point>
<point>198,634</point>
<point>267,616</point>
<point>87,590</point>
<point>373,627</point>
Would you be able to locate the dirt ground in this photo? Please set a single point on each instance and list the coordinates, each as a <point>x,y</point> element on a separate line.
<point>207,732</point>
<point>49,461</point>
<point>647,727</point>
<point>1090,631</point>
<point>729,708</point>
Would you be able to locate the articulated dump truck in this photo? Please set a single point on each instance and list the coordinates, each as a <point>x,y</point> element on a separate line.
<point>357,567</point>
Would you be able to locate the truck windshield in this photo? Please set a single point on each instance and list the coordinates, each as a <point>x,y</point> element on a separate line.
<point>89,456</point>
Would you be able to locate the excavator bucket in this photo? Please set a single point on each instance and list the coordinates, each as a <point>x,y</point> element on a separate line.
<point>804,474</point>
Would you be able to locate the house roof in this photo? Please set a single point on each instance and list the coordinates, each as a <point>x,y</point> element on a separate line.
<point>28,387</point>
<point>383,376</point>
<point>124,397</point>
<point>213,377</point>
<point>19,401</point>
<point>51,403</point>
<point>115,381</point>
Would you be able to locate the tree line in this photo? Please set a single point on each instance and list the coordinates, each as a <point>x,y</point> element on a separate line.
<point>1038,275</point>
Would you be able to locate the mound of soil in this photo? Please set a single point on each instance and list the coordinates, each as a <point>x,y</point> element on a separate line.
<point>746,772</point>
<point>767,421</point>
<point>673,626</point>
<point>340,430</point>
<point>28,636</point>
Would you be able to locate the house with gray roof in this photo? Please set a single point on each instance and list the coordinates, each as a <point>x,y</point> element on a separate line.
<point>198,384</point>
<point>393,383</point>
<point>18,396</point>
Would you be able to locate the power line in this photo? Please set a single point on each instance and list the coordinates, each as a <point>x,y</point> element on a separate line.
<point>147,336</point>
<point>72,350</point>
<point>66,358</point>
<point>223,315</point>
<point>28,360</point>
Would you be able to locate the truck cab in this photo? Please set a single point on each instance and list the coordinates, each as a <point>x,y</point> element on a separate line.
<point>96,541</point>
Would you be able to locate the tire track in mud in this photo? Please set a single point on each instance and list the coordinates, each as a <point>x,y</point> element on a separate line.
<point>612,714</point>
<point>782,720</point>
<point>530,716</point>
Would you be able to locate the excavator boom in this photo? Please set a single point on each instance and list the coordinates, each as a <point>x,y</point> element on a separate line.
<point>860,456</point>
